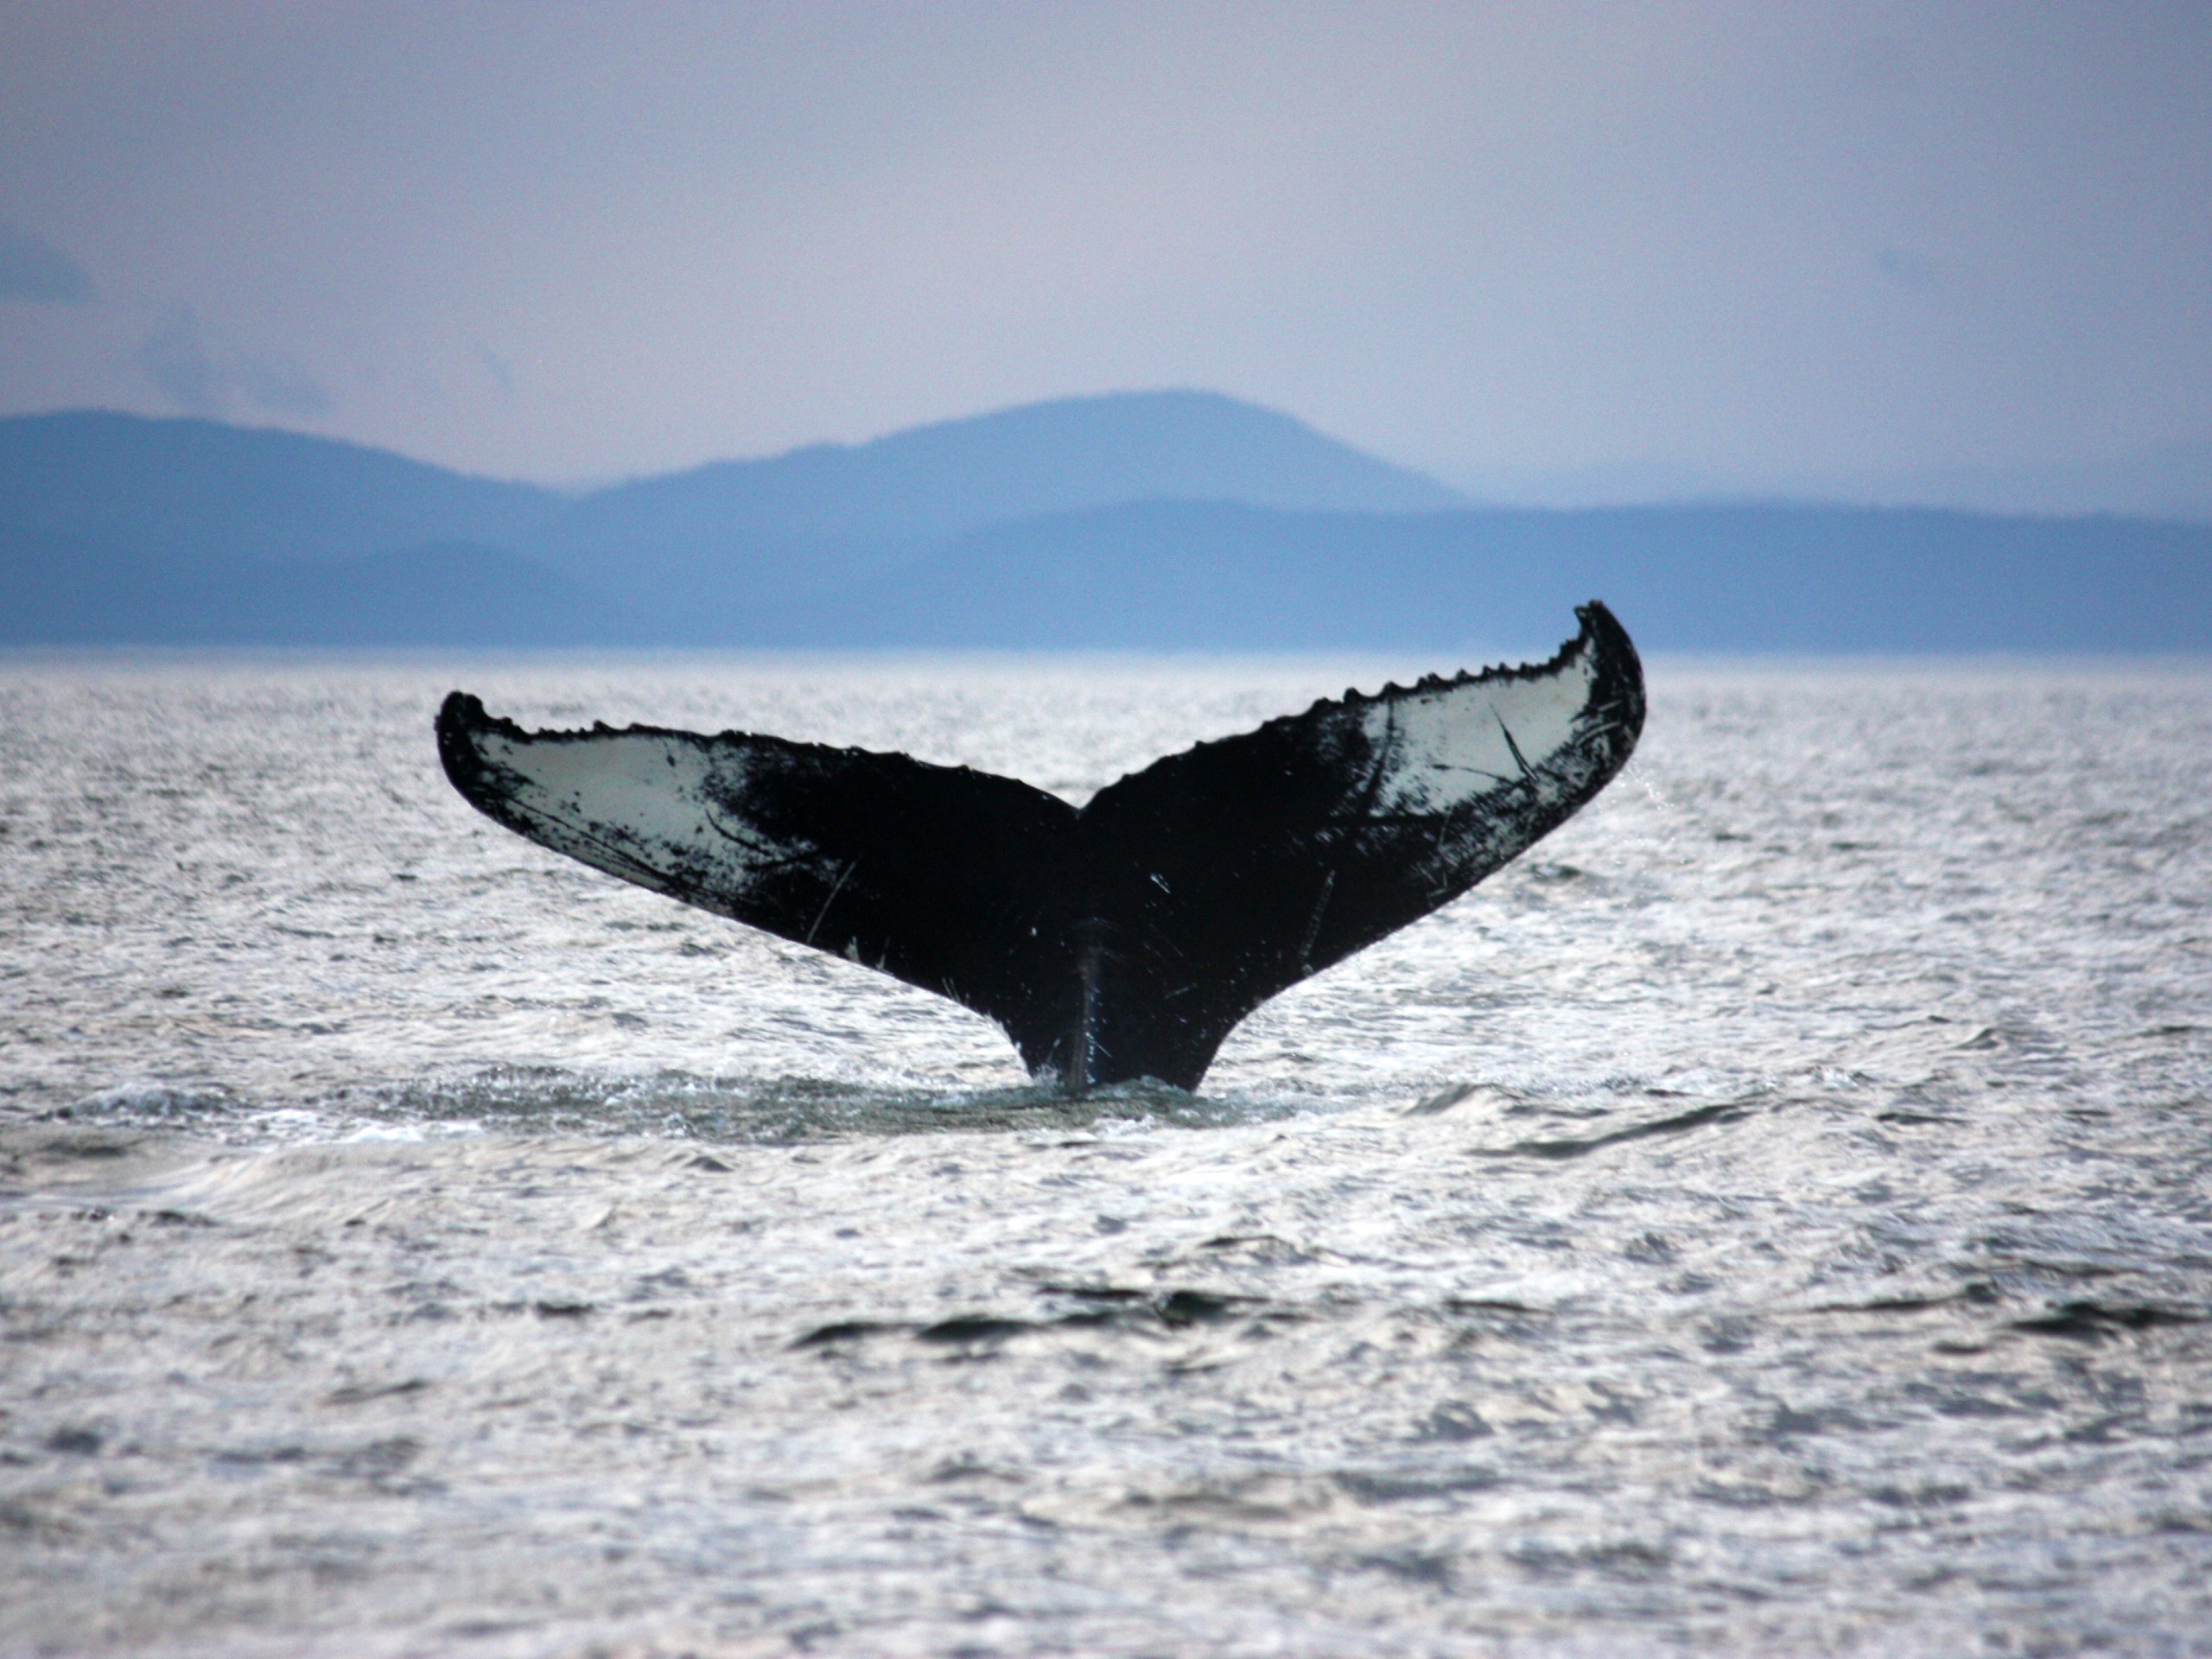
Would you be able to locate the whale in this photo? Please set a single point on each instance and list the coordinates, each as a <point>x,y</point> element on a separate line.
<point>1113,942</point>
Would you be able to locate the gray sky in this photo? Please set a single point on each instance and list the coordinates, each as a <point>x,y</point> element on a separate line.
<point>1767,244</point>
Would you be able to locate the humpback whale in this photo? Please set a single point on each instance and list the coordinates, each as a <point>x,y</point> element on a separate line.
<point>1118,940</point>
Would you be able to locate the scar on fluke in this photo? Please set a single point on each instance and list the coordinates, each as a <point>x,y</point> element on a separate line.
<point>1121,939</point>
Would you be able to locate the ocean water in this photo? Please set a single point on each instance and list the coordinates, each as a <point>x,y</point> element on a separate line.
<point>1774,1217</point>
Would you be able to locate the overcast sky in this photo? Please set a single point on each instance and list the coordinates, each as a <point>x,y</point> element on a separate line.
<point>1766,244</point>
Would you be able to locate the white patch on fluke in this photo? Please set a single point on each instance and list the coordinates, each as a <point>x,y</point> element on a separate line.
<point>1444,747</point>
<point>638,805</point>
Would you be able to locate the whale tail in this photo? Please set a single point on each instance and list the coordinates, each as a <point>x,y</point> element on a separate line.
<point>1119,940</point>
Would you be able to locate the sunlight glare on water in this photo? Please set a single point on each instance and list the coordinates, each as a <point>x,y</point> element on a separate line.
<point>1771,1217</point>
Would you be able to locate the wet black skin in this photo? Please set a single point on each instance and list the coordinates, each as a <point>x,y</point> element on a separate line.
<point>1125,938</point>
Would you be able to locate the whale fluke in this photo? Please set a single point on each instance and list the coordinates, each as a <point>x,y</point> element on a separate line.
<point>1119,940</point>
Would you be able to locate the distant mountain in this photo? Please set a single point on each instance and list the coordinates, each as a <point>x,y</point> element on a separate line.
<point>438,594</point>
<point>191,493</point>
<point>1161,520</point>
<point>816,518</point>
<point>2174,482</point>
<point>1498,582</point>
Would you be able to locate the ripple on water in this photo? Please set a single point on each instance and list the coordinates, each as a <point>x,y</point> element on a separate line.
<point>1769,1218</point>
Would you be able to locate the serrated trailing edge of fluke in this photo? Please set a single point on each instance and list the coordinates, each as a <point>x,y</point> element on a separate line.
<point>1601,631</point>
<point>464,712</point>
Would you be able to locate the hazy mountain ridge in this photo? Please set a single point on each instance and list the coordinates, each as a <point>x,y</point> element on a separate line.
<point>194,493</point>
<point>2173,482</point>
<point>1493,581</point>
<point>1175,520</point>
<point>821,516</point>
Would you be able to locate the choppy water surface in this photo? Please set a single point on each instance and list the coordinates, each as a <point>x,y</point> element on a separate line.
<point>1773,1217</point>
